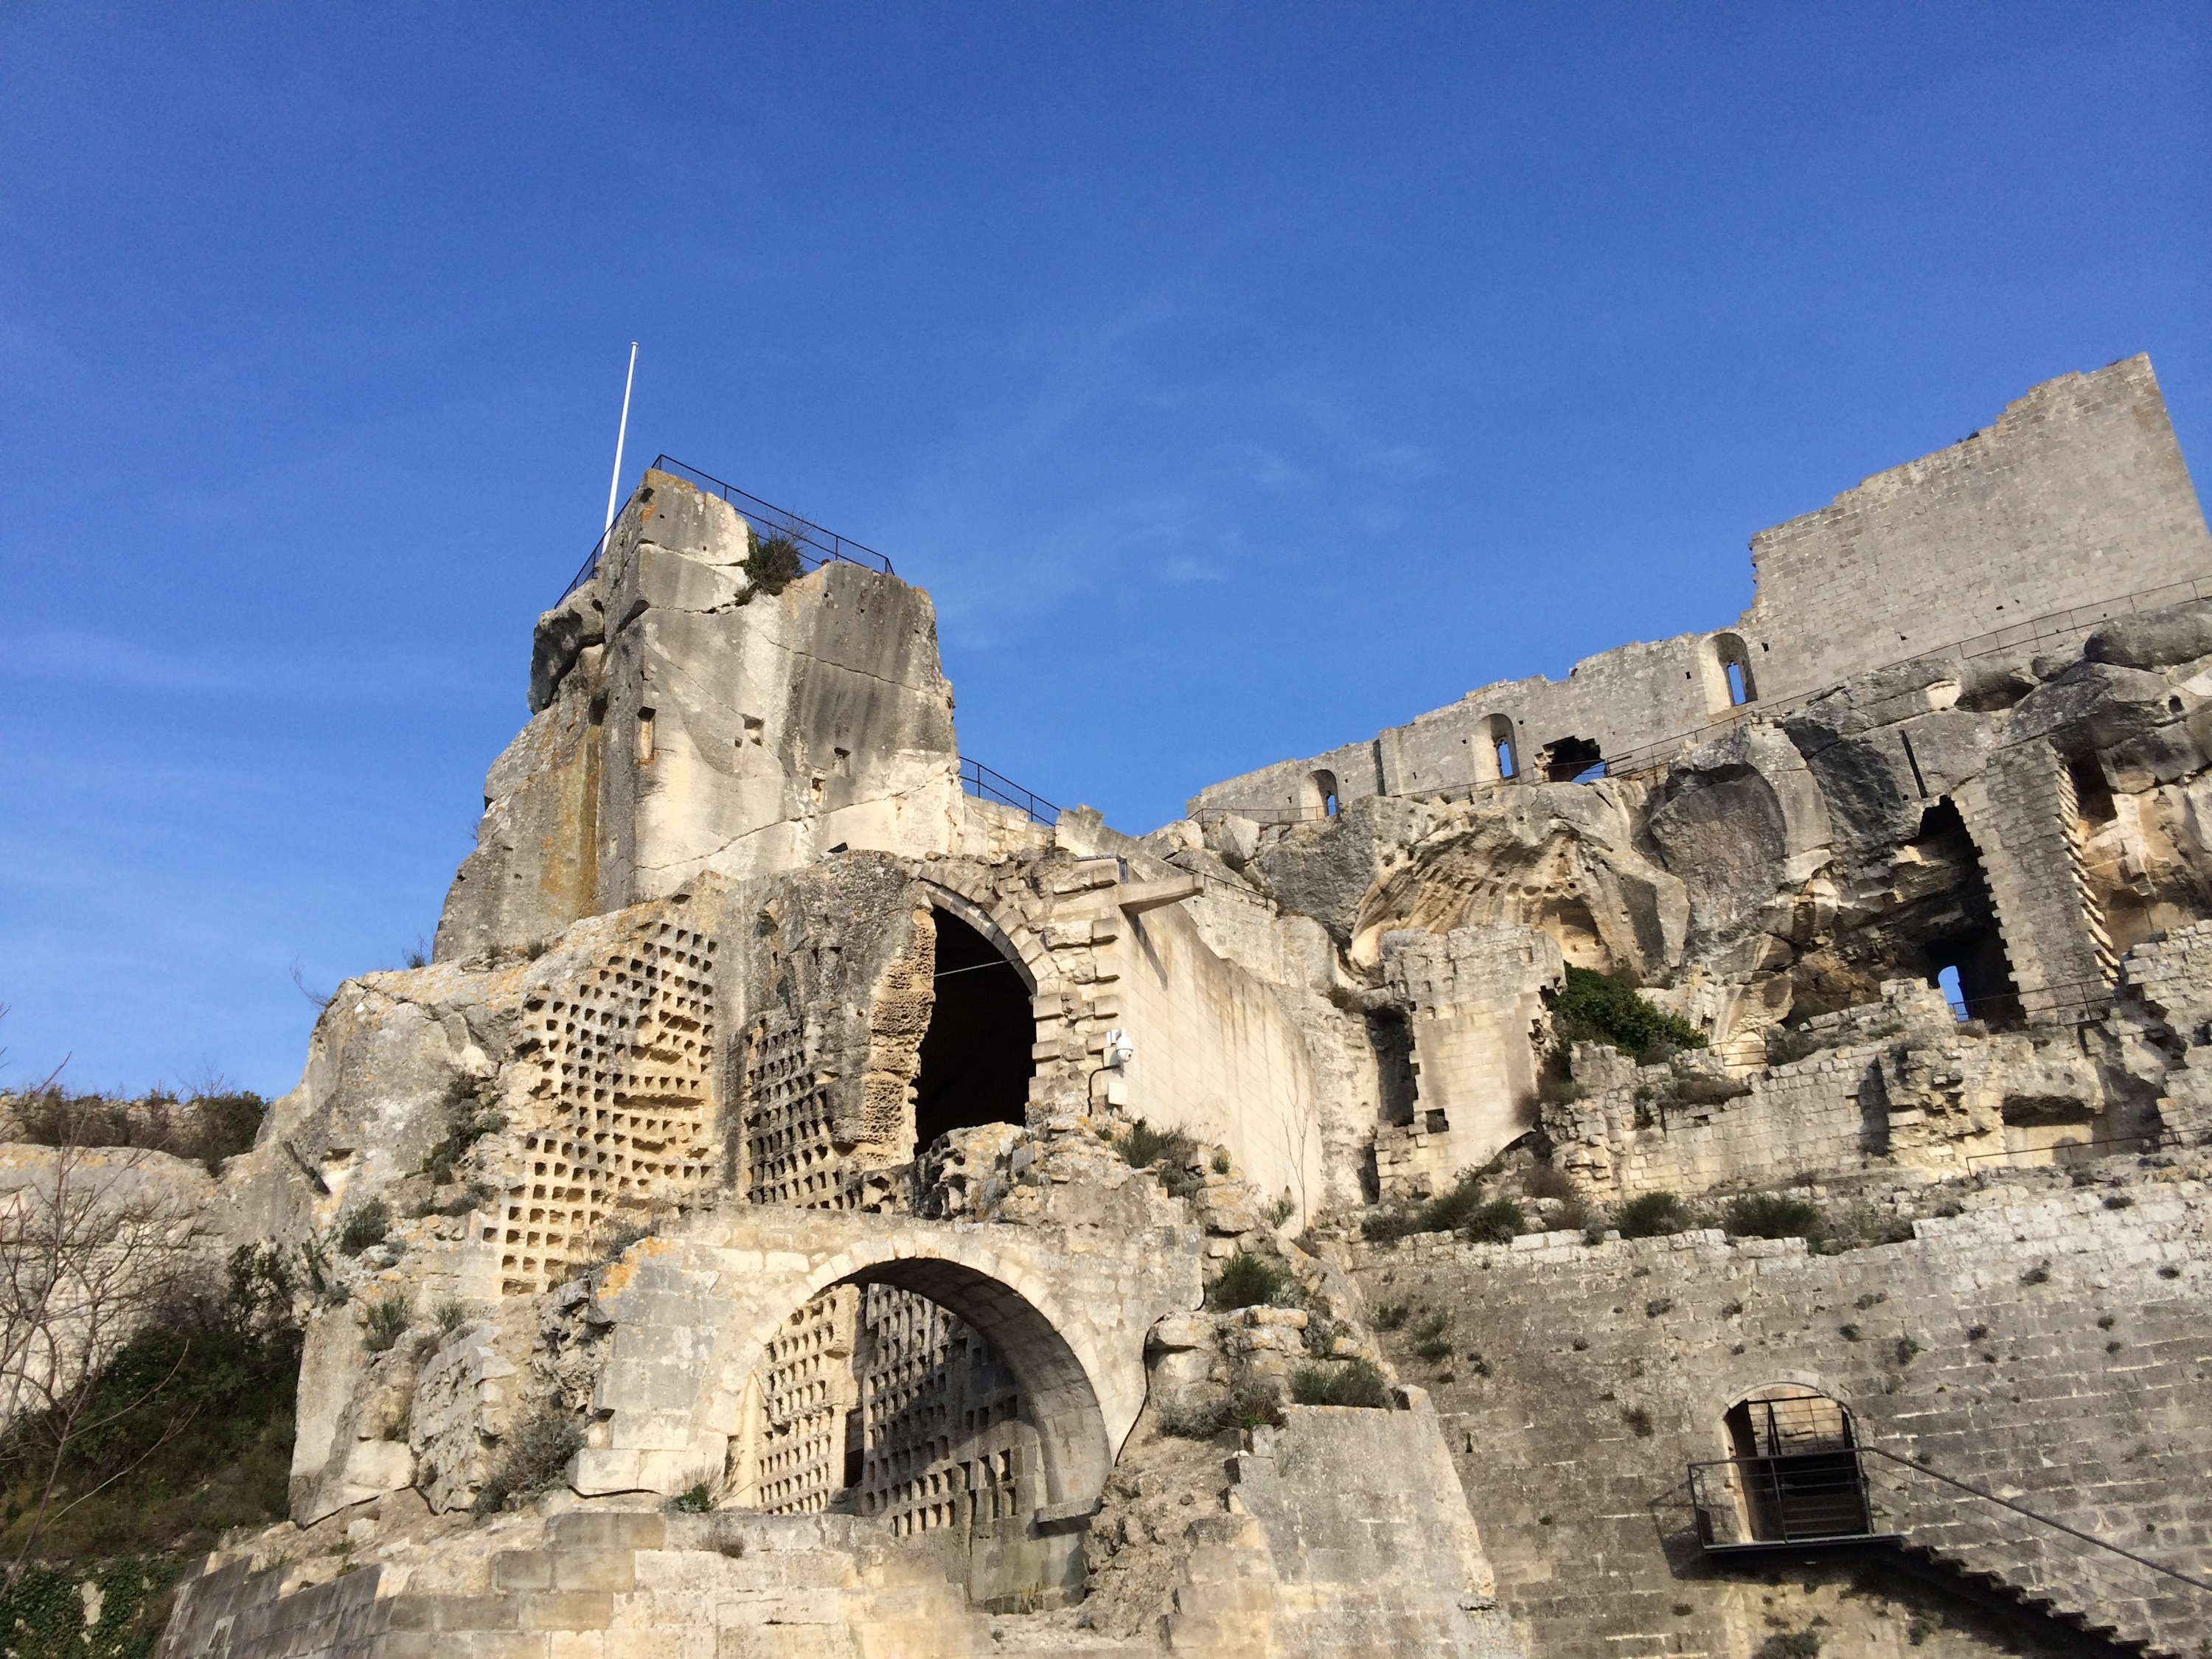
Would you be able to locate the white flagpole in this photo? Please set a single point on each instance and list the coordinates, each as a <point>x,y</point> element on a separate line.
<point>621,434</point>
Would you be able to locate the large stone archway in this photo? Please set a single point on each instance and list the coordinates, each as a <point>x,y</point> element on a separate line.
<point>694,1312</point>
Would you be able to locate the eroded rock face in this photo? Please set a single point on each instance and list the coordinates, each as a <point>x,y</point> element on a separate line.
<point>686,723</point>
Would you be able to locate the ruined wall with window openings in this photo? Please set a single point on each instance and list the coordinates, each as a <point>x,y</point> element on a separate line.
<point>2024,534</point>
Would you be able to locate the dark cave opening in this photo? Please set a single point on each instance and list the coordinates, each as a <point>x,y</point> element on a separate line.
<point>1961,926</point>
<point>976,1060</point>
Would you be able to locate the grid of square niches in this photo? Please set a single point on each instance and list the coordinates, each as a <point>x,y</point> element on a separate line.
<point>941,1417</point>
<point>625,1061</point>
<point>791,1157</point>
<point>807,1387</point>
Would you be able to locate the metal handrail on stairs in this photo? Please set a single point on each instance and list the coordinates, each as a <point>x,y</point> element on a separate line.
<point>2043,1520</point>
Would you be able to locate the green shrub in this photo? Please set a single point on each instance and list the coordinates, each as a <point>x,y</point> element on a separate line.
<point>537,1459</point>
<point>364,1225</point>
<point>1638,1421</point>
<point>1772,1215</point>
<point>1792,1645</point>
<point>449,1314</point>
<point>43,1612</point>
<point>1248,1281</point>
<point>773,561</point>
<point>1652,1215</point>
<point>209,1126</point>
<point>386,1320</point>
<point>694,1499</point>
<point>1391,1315</point>
<point>1496,1222</point>
<point>1593,1007</point>
<point>1356,1383</point>
<point>1171,1152</point>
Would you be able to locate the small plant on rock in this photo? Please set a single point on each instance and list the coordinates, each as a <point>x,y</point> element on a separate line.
<point>1596,1008</point>
<point>537,1459</point>
<point>1356,1383</point>
<point>1169,1152</point>
<point>364,1225</point>
<point>1392,1315</point>
<point>386,1320</point>
<point>1250,1281</point>
<point>1498,1222</point>
<point>694,1499</point>
<point>773,561</point>
<point>1429,1336</point>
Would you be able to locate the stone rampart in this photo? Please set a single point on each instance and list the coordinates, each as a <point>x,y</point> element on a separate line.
<point>2020,537</point>
<point>2046,1345</point>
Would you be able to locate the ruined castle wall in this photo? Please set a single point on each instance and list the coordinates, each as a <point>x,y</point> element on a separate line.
<point>2077,493</point>
<point>2045,1344</point>
<point>1477,997</point>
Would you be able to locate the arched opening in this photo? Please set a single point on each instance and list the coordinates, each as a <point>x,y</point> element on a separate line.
<point>1321,793</point>
<point>1573,760</point>
<point>1729,680</point>
<point>1792,1477</point>
<point>1496,760</point>
<point>976,1064</point>
<point>932,1399</point>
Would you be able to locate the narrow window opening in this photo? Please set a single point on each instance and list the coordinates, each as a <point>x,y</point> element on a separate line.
<point>645,737</point>
<point>1947,981</point>
<point>1728,681</point>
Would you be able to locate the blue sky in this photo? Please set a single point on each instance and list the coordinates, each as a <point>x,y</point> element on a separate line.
<point>1240,378</point>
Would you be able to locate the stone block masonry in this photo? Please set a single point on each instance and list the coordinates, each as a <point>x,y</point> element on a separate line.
<point>2078,492</point>
<point>2047,1347</point>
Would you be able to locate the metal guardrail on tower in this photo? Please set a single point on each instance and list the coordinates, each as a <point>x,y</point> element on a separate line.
<point>816,546</point>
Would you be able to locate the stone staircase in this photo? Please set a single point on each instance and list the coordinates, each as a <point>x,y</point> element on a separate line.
<point>2012,1559</point>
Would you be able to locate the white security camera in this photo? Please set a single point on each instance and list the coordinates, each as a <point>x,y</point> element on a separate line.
<point>1120,1051</point>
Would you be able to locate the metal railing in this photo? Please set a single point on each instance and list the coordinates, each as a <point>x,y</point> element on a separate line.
<point>980,781</point>
<point>1913,1466</point>
<point>1794,1498</point>
<point>1824,1498</point>
<point>816,546</point>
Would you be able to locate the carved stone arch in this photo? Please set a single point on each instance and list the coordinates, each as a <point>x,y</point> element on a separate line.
<point>1726,652</point>
<point>1081,1411</point>
<point>1497,753</point>
<point>1811,1381</point>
